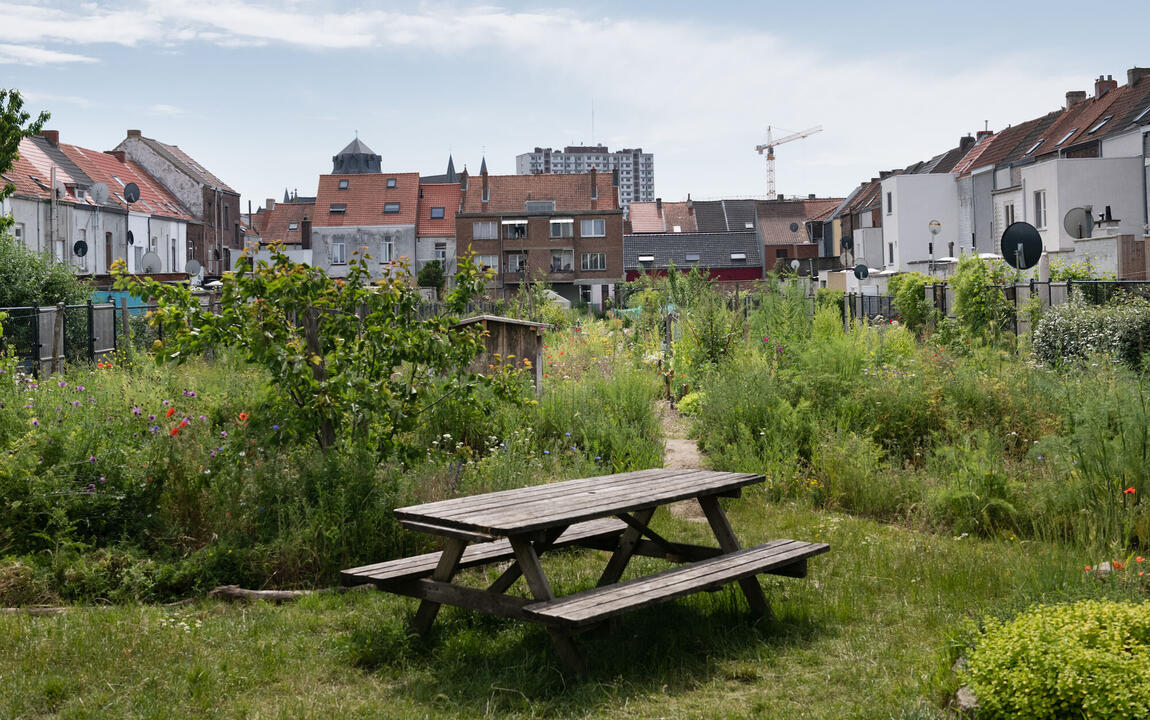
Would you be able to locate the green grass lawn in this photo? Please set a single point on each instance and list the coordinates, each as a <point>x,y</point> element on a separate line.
<point>871,632</point>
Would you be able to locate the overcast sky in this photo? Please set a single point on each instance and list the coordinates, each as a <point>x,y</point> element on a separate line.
<point>264,94</point>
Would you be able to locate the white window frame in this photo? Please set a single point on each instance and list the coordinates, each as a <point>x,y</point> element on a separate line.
<point>591,261</point>
<point>442,213</point>
<point>388,208</point>
<point>563,254</point>
<point>485,262</point>
<point>1040,209</point>
<point>516,262</point>
<point>562,227</point>
<point>598,227</point>
<point>485,230</point>
<point>337,253</point>
<point>1007,215</point>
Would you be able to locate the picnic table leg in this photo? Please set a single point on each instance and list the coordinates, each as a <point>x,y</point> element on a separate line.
<point>444,571</point>
<point>528,561</point>
<point>627,543</point>
<point>729,543</point>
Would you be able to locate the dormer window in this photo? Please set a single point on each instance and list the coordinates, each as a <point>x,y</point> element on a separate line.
<point>343,184</point>
<point>646,258</point>
<point>738,257</point>
<point>749,225</point>
<point>1098,125</point>
<point>391,183</point>
<point>676,228</point>
<point>437,213</point>
<point>337,208</point>
<point>118,180</point>
<point>692,257</point>
<point>391,208</point>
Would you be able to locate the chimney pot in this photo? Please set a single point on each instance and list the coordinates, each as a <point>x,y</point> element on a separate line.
<point>52,136</point>
<point>118,154</point>
<point>965,142</point>
<point>270,204</point>
<point>810,196</point>
<point>659,204</point>
<point>133,133</point>
<point>779,196</point>
<point>1104,85</point>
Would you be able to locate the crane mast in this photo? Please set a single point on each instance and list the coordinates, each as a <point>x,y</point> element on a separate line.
<point>770,145</point>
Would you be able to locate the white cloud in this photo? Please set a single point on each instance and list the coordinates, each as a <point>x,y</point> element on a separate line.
<point>166,110</point>
<point>32,55</point>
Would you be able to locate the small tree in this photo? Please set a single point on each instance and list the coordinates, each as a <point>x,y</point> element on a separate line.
<point>979,304</point>
<point>14,127</point>
<point>349,360</point>
<point>908,291</point>
<point>432,276</point>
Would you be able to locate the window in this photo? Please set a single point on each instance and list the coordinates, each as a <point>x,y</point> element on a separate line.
<point>738,257</point>
<point>585,293</point>
<point>437,213</point>
<point>391,183</point>
<point>1066,137</point>
<point>646,258</point>
<point>516,263</point>
<point>385,252</point>
<point>343,184</point>
<point>338,253</point>
<point>1040,209</point>
<point>293,226</point>
<point>337,208</point>
<point>780,252</point>
<point>562,260</point>
<point>441,251</point>
<point>18,232</point>
<point>593,228</point>
<point>532,207</point>
<point>676,228</point>
<point>515,229</point>
<point>1144,113</point>
<point>692,257</point>
<point>890,252</point>
<point>391,208</point>
<point>486,194</point>
<point>227,220</point>
<point>485,230</point>
<point>889,203</point>
<point>594,261</point>
<point>1099,124</point>
<point>486,262</point>
<point>563,228</point>
<point>1034,147</point>
<point>114,178</point>
<point>1008,214</point>
<point>747,225</point>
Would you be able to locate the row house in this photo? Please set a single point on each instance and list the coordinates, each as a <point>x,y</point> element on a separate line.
<point>731,259</point>
<point>789,230</point>
<point>56,211</point>
<point>566,230</point>
<point>661,217</point>
<point>216,239</point>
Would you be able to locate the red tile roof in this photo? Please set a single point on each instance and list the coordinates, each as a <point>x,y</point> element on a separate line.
<point>645,217</point>
<point>105,168</point>
<point>775,218</point>
<point>509,193</point>
<point>970,160</point>
<point>444,195</point>
<point>31,162</point>
<point>275,225</point>
<point>365,197</point>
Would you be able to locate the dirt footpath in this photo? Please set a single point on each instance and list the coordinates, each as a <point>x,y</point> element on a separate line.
<point>681,452</point>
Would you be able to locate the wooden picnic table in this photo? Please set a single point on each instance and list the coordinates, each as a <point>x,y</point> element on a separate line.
<point>609,512</point>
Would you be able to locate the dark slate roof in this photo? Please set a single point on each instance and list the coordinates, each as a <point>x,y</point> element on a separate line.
<point>714,249</point>
<point>448,177</point>
<point>725,215</point>
<point>357,147</point>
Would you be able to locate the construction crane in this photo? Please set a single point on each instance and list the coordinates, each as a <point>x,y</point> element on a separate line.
<point>769,146</point>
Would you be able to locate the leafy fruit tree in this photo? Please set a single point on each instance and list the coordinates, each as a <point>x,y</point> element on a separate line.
<point>349,359</point>
<point>14,126</point>
<point>432,275</point>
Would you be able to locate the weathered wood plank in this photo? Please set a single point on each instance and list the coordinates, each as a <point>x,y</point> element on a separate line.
<point>443,593</point>
<point>469,535</point>
<point>444,571</point>
<point>626,548</point>
<point>601,531</point>
<point>729,543</point>
<point>604,602</point>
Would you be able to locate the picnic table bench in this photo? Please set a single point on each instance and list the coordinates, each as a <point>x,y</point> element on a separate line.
<point>609,512</point>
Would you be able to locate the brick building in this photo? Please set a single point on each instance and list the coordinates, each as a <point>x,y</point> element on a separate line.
<point>566,230</point>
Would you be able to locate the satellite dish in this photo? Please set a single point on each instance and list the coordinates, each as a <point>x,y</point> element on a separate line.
<point>934,226</point>
<point>1021,245</point>
<point>847,258</point>
<point>1079,222</point>
<point>99,193</point>
<point>794,264</point>
<point>794,227</point>
<point>131,238</point>
<point>150,263</point>
<point>193,267</point>
<point>861,271</point>
<point>80,249</point>
<point>847,243</point>
<point>60,188</point>
<point>131,192</point>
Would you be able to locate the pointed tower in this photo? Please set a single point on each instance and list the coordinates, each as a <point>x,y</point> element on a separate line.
<point>287,198</point>
<point>356,159</point>
<point>451,176</point>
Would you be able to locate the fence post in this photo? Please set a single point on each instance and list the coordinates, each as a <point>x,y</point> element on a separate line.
<point>91,333</point>
<point>124,320</point>
<point>57,337</point>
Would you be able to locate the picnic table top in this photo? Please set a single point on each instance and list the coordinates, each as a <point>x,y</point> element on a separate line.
<point>538,507</point>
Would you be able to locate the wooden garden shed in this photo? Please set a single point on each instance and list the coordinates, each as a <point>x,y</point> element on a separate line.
<point>505,336</point>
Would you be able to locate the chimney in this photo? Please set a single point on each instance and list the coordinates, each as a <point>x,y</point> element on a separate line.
<point>965,142</point>
<point>1134,74</point>
<point>270,204</point>
<point>659,205</point>
<point>779,196</point>
<point>52,136</point>
<point>118,154</point>
<point>1104,85</point>
<point>594,188</point>
<point>985,133</point>
<point>1074,97</point>
<point>305,233</point>
<point>134,134</point>
<point>690,205</point>
<point>810,196</point>
<point>615,178</point>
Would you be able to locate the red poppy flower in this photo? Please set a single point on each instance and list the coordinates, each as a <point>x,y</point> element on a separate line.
<point>175,431</point>
<point>1129,491</point>
<point>170,412</point>
<point>243,416</point>
<point>1087,568</point>
<point>184,422</point>
<point>1117,565</point>
<point>1139,559</point>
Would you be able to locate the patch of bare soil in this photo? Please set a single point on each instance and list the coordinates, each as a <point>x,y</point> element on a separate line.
<point>681,452</point>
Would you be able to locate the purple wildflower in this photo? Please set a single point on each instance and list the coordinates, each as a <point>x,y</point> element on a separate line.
<point>136,411</point>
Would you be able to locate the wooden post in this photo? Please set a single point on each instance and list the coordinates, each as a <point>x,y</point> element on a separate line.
<point>127,328</point>
<point>729,543</point>
<point>444,571</point>
<point>528,561</point>
<point>57,336</point>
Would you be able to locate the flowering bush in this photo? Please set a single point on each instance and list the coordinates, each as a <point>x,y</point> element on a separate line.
<point>1077,330</point>
<point>1088,659</point>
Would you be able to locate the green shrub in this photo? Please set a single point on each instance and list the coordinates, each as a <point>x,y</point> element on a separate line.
<point>909,293</point>
<point>1077,330</point>
<point>691,403</point>
<point>979,304</point>
<point>1085,660</point>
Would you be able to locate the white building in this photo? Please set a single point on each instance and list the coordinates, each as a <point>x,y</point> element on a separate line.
<point>913,205</point>
<point>636,168</point>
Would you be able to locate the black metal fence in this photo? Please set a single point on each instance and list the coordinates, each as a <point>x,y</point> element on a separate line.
<point>870,307</point>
